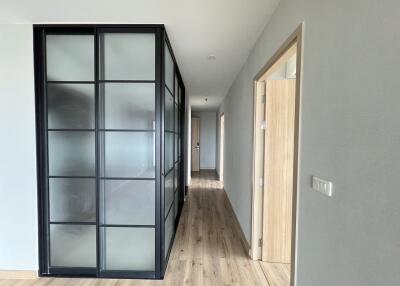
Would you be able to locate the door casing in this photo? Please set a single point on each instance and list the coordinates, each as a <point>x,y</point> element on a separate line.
<point>256,233</point>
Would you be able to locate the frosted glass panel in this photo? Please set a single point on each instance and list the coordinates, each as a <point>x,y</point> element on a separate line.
<point>169,69</point>
<point>73,245</point>
<point>71,153</point>
<point>176,118</point>
<point>169,231</point>
<point>176,89</point>
<point>176,200</point>
<point>169,191</point>
<point>169,111</point>
<point>129,105</point>
<point>128,248</point>
<point>70,106</point>
<point>176,176</point>
<point>176,147</point>
<point>70,57</point>
<point>169,151</point>
<point>128,154</point>
<point>128,56</point>
<point>128,202</point>
<point>72,200</point>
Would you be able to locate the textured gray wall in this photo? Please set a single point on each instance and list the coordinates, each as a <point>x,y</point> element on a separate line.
<point>350,134</point>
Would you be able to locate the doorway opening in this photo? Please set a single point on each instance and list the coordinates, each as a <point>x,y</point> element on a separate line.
<point>195,145</point>
<point>275,161</point>
<point>221,146</point>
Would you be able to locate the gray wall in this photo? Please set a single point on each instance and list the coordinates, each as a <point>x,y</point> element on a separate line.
<point>18,210</point>
<point>208,139</point>
<point>350,134</point>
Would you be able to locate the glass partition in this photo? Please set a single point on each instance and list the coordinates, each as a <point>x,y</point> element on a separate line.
<point>109,106</point>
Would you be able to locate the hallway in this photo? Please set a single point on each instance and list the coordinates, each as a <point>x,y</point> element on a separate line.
<point>208,248</point>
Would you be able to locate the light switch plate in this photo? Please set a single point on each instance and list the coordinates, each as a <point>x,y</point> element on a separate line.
<point>322,186</point>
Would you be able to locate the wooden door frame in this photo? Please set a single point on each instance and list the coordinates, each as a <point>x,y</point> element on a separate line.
<point>221,147</point>
<point>295,38</point>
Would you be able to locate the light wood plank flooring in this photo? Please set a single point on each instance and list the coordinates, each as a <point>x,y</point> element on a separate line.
<point>209,248</point>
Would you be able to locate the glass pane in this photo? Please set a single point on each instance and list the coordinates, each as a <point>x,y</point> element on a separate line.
<point>128,154</point>
<point>127,56</point>
<point>70,106</point>
<point>169,231</point>
<point>129,105</point>
<point>169,191</point>
<point>179,146</point>
<point>176,204</point>
<point>71,153</point>
<point>72,200</point>
<point>176,147</point>
<point>176,89</point>
<point>179,95</point>
<point>128,248</point>
<point>70,57</point>
<point>72,245</point>
<point>127,202</point>
<point>169,111</point>
<point>176,176</point>
<point>169,151</point>
<point>176,118</point>
<point>169,69</point>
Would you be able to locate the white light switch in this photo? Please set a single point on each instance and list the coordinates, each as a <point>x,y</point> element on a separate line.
<point>322,186</point>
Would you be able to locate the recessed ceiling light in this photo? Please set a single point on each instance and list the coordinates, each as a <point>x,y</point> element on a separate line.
<point>212,57</point>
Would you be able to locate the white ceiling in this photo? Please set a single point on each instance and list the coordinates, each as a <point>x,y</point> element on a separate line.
<point>227,29</point>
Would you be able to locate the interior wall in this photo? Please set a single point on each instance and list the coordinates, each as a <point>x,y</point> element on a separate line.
<point>349,134</point>
<point>18,208</point>
<point>188,148</point>
<point>208,139</point>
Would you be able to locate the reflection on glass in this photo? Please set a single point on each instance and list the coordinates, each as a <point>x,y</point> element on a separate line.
<point>169,111</point>
<point>169,151</point>
<point>71,153</point>
<point>127,202</point>
<point>127,248</point>
<point>128,154</point>
<point>70,106</point>
<point>70,57</point>
<point>127,56</point>
<point>72,245</point>
<point>72,200</point>
<point>169,69</point>
<point>129,105</point>
<point>176,200</point>
<point>169,191</point>
<point>169,231</point>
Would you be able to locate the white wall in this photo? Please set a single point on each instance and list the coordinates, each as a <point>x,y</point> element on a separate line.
<point>350,134</point>
<point>18,210</point>
<point>208,139</point>
<point>188,147</point>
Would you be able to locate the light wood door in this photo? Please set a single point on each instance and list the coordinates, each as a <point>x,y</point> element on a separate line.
<point>278,170</point>
<point>195,144</point>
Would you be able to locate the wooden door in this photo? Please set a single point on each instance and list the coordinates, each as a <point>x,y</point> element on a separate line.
<point>195,144</point>
<point>278,170</point>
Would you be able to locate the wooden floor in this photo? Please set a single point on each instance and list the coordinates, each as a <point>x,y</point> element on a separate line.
<point>208,250</point>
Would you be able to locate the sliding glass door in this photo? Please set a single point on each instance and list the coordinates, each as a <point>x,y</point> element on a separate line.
<point>109,103</point>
